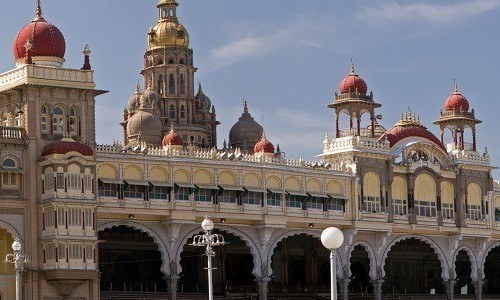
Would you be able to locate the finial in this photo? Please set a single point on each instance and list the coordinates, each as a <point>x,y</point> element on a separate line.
<point>245,106</point>
<point>352,66</point>
<point>199,87</point>
<point>172,129</point>
<point>137,88</point>
<point>86,62</point>
<point>263,135</point>
<point>455,86</point>
<point>38,12</point>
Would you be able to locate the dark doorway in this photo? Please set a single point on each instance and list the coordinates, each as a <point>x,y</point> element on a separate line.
<point>360,271</point>
<point>492,272</point>
<point>463,268</point>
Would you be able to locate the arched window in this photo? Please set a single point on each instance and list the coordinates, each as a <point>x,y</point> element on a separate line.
<point>182,84</point>
<point>73,121</point>
<point>10,174</point>
<point>371,193</point>
<point>181,61</point>
<point>58,120</point>
<point>44,118</point>
<point>172,111</point>
<point>171,84</point>
<point>425,195</point>
<point>160,84</point>
<point>183,112</point>
<point>170,60</point>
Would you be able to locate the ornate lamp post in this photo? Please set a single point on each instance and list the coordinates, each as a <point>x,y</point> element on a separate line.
<point>332,238</point>
<point>18,259</point>
<point>208,240</point>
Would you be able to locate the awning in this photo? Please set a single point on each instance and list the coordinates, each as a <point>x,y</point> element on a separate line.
<point>318,195</point>
<point>254,189</point>
<point>296,193</point>
<point>136,182</point>
<point>10,170</point>
<point>207,186</point>
<point>111,181</point>
<point>232,188</point>
<point>160,183</point>
<point>185,185</point>
<point>276,191</point>
<point>337,196</point>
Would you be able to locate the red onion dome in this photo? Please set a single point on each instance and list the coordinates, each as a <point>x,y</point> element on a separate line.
<point>46,38</point>
<point>410,127</point>
<point>172,138</point>
<point>66,146</point>
<point>456,101</point>
<point>263,144</point>
<point>352,83</point>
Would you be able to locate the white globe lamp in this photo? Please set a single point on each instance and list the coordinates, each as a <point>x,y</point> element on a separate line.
<point>207,224</point>
<point>332,238</point>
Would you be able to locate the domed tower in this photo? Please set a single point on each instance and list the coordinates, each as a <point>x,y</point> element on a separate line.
<point>144,125</point>
<point>169,71</point>
<point>354,101</point>
<point>457,118</point>
<point>245,133</point>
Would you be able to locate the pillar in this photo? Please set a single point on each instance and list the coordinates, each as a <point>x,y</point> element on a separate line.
<point>474,139</point>
<point>337,131</point>
<point>449,288</point>
<point>344,288</point>
<point>377,288</point>
<point>358,120</point>
<point>262,284</point>
<point>478,289</point>
<point>172,286</point>
<point>373,125</point>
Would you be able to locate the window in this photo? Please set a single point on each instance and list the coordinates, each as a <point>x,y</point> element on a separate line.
<point>160,84</point>
<point>9,179</point>
<point>75,251</point>
<point>399,207</point>
<point>44,118</point>
<point>315,203</point>
<point>182,84</point>
<point>73,122</point>
<point>58,120</point>
<point>50,251</point>
<point>371,204</point>
<point>336,204</point>
<point>48,182</point>
<point>49,217</point>
<point>448,211</point>
<point>425,208</point>
<point>134,191</point>
<point>75,217</point>
<point>497,214</point>
<point>171,84</point>
<point>183,112</point>
<point>294,201</point>
<point>61,217</point>
<point>203,195</point>
<point>273,199</point>
<point>172,111</point>
<point>159,193</point>
<point>87,182</point>
<point>170,60</point>
<point>228,197</point>
<point>89,219</point>
<point>182,193</point>
<point>89,252</point>
<point>108,189</point>
<point>74,182</point>
<point>252,198</point>
<point>474,212</point>
<point>60,181</point>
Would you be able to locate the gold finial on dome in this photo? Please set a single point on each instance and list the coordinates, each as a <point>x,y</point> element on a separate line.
<point>38,11</point>
<point>409,118</point>
<point>352,67</point>
<point>245,106</point>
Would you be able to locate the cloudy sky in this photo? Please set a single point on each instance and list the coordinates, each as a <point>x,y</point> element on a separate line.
<point>287,57</point>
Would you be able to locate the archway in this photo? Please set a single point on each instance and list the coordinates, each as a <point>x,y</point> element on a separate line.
<point>233,262</point>
<point>463,270</point>
<point>129,260</point>
<point>492,272</point>
<point>360,271</point>
<point>412,267</point>
<point>7,278</point>
<point>299,263</point>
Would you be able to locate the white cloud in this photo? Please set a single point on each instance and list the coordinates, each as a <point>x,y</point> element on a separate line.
<point>435,13</point>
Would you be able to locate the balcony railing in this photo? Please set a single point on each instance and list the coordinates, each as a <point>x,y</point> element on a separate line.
<point>16,133</point>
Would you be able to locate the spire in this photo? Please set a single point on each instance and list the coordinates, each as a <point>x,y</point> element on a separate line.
<point>263,135</point>
<point>38,11</point>
<point>352,67</point>
<point>172,129</point>
<point>86,62</point>
<point>199,88</point>
<point>137,88</point>
<point>245,106</point>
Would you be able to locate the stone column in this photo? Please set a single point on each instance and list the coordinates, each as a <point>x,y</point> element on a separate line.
<point>262,283</point>
<point>449,288</point>
<point>478,289</point>
<point>377,288</point>
<point>172,286</point>
<point>344,288</point>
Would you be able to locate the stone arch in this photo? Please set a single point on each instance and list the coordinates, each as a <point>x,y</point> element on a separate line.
<point>473,261</point>
<point>182,176</point>
<point>425,187</point>
<point>227,178</point>
<point>314,185</point>
<point>371,185</point>
<point>107,171</point>
<point>202,177</point>
<point>133,173</point>
<point>335,188</point>
<point>252,180</point>
<point>273,182</point>
<point>293,183</point>
<point>162,246</point>
<point>474,195</point>
<point>291,233</point>
<point>439,252</point>
<point>371,256</point>
<point>11,230</point>
<point>158,173</point>
<point>254,247</point>
<point>447,192</point>
<point>483,258</point>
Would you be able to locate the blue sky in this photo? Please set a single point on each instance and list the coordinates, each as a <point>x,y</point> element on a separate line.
<point>287,57</point>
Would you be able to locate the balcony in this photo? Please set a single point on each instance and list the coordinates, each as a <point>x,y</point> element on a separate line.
<point>16,135</point>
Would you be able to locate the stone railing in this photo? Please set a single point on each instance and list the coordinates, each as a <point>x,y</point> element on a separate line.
<point>218,155</point>
<point>471,156</point>
<point>457,113</point>
<point>358,142</point>
<point>17,133</point>
<point>353,95</point>
<point>425,163</point>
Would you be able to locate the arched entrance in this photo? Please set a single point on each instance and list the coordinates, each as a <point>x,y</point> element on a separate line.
<point>300,264</point>
<point>463,269</point>
<point>129,260</point>
<point>360,271</point>
<point>7,277</point>
<point>233,263</point>
<point>412,267</point>
<point>492,272</point>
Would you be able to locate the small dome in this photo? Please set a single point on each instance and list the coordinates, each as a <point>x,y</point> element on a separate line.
<point>352,83</point>
<point>134,101</point>
<point>149,98</point>
<point>456,101</point>
<point>172,138</point>
<point>200,96</point>
<point>263,145</point>
<point>245,133</point>
<point>144,127</point>
<point>47,39</point>
<point>168,33</point>
<point>65,146</point>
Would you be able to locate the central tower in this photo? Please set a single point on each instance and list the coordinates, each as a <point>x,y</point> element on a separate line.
<point>169,72</point>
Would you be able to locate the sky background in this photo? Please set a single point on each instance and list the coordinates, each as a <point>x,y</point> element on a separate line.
<point>287,58</point>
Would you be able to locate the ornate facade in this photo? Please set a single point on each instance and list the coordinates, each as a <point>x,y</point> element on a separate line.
<point>420,214</point>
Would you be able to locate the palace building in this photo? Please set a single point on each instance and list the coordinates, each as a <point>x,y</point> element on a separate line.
<point>420,213</point>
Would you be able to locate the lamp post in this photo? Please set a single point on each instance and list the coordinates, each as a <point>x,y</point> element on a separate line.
<point>208,240</point>
<point>18,259</point>
<point>332,238</point>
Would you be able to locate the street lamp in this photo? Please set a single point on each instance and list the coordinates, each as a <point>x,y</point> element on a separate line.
<point>18,259</point>
<point>208,240</point>
<point>332,238</point>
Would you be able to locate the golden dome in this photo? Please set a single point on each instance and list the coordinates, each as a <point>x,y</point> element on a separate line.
<point>168,33</point>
